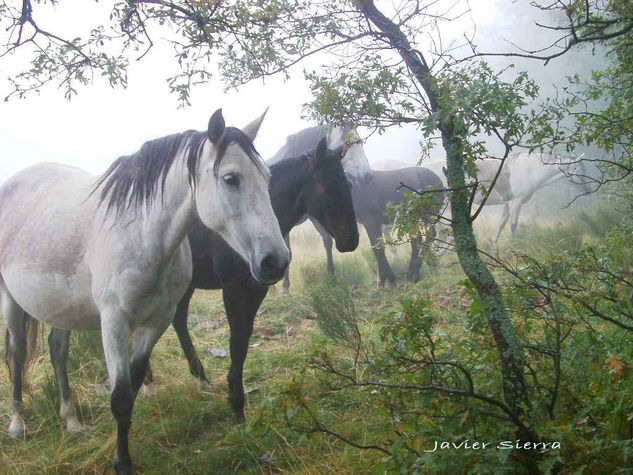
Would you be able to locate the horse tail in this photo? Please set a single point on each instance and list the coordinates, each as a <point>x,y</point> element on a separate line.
<point>31,326</point>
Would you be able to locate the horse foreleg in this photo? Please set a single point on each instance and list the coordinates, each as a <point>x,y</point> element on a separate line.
<point>241,301</point>
<point>327,243</point>
<point>287,273</point>
<point>180,325</point>
<point>148,389</point>
<point>59,343</point>
<point>502,224</point>
<point>384,269</point>
<point>144,340</point>
<point>127,378</point>
<point>115,334</point>
<point>15,322</point>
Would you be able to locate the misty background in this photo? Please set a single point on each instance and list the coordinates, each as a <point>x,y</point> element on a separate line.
<point>101,123</point>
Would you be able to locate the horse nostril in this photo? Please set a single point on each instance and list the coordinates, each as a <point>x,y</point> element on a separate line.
<point>273,264</point>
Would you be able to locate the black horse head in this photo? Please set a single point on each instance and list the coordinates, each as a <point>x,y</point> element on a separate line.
<point>328,197</point>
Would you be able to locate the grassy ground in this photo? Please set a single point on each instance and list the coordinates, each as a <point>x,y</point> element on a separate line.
<point>185,430</point>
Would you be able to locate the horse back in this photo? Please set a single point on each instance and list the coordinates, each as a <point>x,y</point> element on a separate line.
<point>372,199</point>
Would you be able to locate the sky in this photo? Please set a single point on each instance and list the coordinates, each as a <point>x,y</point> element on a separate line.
<point>101,123</point>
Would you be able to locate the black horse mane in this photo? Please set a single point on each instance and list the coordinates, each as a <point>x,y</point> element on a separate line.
<point>284,172</point>
<point>134,180</point>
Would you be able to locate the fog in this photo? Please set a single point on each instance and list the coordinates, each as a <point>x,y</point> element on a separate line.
<point>102,123</point>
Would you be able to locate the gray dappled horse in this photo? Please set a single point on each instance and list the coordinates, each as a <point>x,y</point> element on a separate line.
<point>313,184</point>
<point>355,161</point>
<point>110,253</point>
<point>371,201</point>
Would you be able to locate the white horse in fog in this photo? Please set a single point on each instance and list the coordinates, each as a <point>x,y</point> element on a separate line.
<point>520,178</point>
<point>530,173</point>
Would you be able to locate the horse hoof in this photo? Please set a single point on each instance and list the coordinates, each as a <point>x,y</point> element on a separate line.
<point>121,469</point>
<point>205,386</point>
<point>239,419</point>
<point>16,429</point>
<point>287,293</point>
<point>149,390</point>
<point>73,426</point>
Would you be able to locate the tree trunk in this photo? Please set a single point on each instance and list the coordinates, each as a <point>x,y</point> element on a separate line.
<point>510,352</point>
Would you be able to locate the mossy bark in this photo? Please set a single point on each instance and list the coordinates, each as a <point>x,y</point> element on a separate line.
<point>510,351</point>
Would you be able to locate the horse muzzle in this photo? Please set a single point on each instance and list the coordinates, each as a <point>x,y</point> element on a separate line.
<point>349,243</point>
<point>271,268</point>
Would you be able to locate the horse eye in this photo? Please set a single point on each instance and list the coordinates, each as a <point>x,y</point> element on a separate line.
<point>231,179</point>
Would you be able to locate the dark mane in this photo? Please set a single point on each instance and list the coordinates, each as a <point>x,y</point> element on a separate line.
<point>284,173</point>
<point>133,181</point>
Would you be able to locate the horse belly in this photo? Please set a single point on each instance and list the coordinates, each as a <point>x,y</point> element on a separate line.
<point>62,301</point>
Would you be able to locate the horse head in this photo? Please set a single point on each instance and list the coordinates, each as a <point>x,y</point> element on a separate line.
<point>328,197</point>
<point>355,161</point>
<point>231,195</point>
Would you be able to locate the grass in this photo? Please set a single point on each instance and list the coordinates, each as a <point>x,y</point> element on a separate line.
<point>185,430</point>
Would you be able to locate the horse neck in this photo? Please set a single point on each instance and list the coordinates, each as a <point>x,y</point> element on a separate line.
<point>288,177</point>
<point>173,212</point>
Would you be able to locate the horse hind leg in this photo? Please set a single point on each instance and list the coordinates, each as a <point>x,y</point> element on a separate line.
<point>385,273</point>
<point>415,263</point>
<point>59,343</point>
<point>327,243</point>
<point>180,325</point>
<point>286,284</point>
<point>502,224</point>
<point>16,322</point>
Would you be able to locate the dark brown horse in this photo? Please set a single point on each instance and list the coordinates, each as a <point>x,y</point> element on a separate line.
<point>371,200</point>
<point>315,184</point>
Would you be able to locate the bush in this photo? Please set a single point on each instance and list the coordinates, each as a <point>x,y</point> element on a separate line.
<point>334,306</point>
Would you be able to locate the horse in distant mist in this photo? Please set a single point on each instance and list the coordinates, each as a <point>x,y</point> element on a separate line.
<point>371,201</point>
<point>355,161</point>
<point>520,178</point>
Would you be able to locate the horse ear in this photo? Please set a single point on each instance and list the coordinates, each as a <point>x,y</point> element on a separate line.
<point>321,151</point>
<point>217,127</point>
<point>333,136</point>
<point>251,129</point>
<point>340,151</point>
